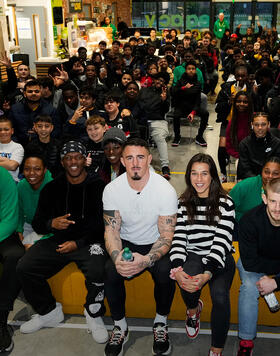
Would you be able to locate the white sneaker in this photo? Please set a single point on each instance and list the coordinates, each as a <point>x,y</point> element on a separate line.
<point>37,322</point>
<point>97,329</point>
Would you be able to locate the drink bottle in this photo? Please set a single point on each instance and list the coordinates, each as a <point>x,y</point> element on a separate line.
<point>272,302</point>
<point>127,255</point>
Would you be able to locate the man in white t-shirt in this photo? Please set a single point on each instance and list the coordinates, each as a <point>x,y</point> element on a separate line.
<point>140,210</point>
<point>11,153</point>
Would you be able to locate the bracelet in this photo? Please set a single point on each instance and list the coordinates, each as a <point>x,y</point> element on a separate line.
<point>175,270</point>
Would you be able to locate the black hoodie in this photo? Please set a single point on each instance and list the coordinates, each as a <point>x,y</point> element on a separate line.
<point>83,201</point>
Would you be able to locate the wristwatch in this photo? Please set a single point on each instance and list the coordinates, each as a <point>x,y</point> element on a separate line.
<point>209,273</point>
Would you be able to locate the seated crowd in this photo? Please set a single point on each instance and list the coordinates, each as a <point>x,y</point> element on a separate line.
<point>78,184</point>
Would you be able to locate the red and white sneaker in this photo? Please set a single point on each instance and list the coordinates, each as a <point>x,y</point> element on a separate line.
<point>245,348</point>
<point>212,353</point>
<point>193,322</point>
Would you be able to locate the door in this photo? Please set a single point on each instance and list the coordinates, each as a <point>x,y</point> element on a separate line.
<point>32,32</point>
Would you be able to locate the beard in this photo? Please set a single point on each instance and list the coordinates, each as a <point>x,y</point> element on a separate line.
<point>136,176</point>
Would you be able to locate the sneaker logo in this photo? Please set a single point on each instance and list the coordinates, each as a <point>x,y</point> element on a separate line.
<point>99,297</point>
<point>96,249</point>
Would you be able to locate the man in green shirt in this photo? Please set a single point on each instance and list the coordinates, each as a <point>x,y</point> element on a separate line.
<point>220,26</point>
<point>11,250</point>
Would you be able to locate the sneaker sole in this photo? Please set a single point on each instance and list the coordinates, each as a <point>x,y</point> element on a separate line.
<point>124,342</point>
<point>201,144</point>
<point>47,325</point>
<point>200,302</point>
<point>162,353</point>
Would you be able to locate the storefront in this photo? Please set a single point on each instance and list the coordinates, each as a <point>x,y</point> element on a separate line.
<point>201,15</point>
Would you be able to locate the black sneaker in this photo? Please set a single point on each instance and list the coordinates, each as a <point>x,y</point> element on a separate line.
<point>6,342</point>
<point>161,344</point>
<point>166,172</point>
<point>114,346</point>
<point>176,141</point>
<point>200,141</point>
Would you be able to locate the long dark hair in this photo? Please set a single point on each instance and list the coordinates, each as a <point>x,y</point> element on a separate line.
<point>190,199</point>
<point>234,118</point>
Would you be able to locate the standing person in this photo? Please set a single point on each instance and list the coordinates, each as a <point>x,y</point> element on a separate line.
<point>147,228</point>
<point>107,23</point>
<point>11,250</point>
<point>201,250</point>
<point>259,263</point>
<point>70,208</point>
<point>220,26</point>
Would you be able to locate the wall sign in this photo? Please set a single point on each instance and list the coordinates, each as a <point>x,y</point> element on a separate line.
<point>75,6</point>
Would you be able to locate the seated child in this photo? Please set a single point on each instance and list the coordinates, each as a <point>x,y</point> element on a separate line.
<point>11,153</point>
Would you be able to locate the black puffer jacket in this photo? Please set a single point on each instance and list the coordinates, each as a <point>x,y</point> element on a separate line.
<point>253,152</point>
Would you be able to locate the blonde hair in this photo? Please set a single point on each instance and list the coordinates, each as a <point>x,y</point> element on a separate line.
<point>94,120</point>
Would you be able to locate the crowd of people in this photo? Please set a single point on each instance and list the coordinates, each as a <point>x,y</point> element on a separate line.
<point>78,184</point>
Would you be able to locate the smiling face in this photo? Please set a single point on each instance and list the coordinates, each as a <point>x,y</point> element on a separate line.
<point>270,171</point>
<point>6,131</point>
<point>96,132</point>
<point>111,106</point>
<point>34,171</point>
<point>132,91</point>
<point>260,126</point>
<point>43,129</point>
<point>272,201</point>
<point>201,179</point>
<point>113,152</point>
<point>33,94</point>
<point>74,165</point>
<point>126,78</point>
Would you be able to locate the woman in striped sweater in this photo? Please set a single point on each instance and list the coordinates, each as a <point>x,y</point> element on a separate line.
<point>202,249</point>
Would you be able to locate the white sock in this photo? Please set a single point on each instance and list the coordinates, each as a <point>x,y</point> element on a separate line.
<point>160,319</point>
<point>99,321</point>
<point>122,324</point>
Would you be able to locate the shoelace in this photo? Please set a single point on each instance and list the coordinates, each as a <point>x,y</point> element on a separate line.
<point>160,333</point>
<point>116,337</point>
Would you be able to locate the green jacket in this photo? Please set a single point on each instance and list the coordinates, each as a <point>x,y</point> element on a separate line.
<point>8,204</point>
<point>114,30</point>
<point>246,195</point>
<point>28,200</point>
<point>219,28</point>
<point>180,70</point>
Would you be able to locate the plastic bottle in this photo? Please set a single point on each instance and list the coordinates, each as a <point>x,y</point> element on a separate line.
<point>127,255</point>
<point>272,302</point>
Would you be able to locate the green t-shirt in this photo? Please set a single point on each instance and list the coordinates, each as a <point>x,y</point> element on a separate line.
<point>28,200</point>
<point>246,195</point>
<point>180,70</point>
<point>8,204</point>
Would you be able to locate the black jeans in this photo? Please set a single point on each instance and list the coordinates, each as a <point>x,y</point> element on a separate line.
<point>203,114</point>
<point>11,250</point>
<point>42,262</point>
<point>164,288</point>
<point>219,289</point>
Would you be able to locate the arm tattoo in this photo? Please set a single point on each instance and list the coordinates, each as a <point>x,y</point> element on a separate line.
<point>112,220</point>
<point>114,255</point>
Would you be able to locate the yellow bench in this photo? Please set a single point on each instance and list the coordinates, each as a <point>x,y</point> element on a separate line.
<point>69,289</point>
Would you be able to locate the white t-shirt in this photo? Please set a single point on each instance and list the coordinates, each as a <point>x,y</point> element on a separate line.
<point>140,210</point>
<point>14,151</point>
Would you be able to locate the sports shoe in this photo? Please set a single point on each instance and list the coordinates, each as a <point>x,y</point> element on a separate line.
<point>114,346</point>
<point>37,322</point>
<point>176,142</point>
<point>199,140</point>
<point>212,353</point>
<point>161,344</point>
<point>193,322</point>
<point>6,342</point>
<point>245,348</point>
<point>209,127</point>
<point>166,172</point>
<point>223,178</point>
<point>97,329</point>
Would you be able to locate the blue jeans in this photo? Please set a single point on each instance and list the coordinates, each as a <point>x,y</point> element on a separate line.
<point>248,303</point>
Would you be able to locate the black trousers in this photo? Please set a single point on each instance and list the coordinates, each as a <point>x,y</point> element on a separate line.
<point>11,250</point>
<point>164,287</point>
<point>219,289</point>
<point>203,114</point>
<point>42,262</point>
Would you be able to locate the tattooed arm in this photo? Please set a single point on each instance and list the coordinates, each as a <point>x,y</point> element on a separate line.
<point>112,221</point>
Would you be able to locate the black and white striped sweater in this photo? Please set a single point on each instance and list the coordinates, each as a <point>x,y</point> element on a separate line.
<point>211,242</point>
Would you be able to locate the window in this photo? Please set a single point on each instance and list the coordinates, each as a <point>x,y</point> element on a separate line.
<point>264,12</point>
<point>144,14</point>
<point>223,7</point>
<point>197,15</point>
<point>171,15</point>
<point>243,16</point>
